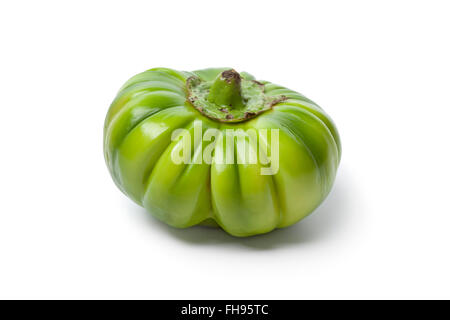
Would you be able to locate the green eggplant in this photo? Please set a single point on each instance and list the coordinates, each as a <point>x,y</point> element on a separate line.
<point>217,147</point>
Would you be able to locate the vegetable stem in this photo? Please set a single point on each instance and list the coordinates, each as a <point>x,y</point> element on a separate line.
<point>226,90</point>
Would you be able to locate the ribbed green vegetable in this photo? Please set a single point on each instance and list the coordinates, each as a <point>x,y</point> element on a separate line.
<point>139,149</point>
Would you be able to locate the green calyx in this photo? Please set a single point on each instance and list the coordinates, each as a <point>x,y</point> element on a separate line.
<point>229,98</point>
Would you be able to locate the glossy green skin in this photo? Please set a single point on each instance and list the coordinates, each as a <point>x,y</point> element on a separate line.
<point>137,146</point>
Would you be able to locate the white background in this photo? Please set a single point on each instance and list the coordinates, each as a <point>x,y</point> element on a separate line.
<point>380,68</point>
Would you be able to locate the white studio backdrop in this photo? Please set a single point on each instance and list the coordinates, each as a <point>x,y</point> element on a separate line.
<point>380,69</point>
